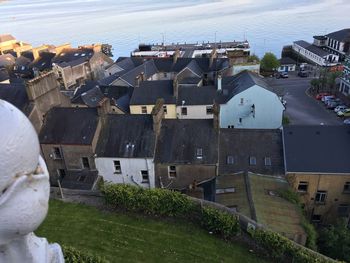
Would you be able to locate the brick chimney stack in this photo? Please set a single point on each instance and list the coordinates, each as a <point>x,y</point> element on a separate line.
<point>157,115</point>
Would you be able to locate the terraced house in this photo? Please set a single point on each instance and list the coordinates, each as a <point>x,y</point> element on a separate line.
<point>318,168</point>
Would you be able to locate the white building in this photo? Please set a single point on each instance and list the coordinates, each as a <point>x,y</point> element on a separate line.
<point>315,54</point>
<point>125,151</point>
<point>247,103</point>
<point>345,79</point>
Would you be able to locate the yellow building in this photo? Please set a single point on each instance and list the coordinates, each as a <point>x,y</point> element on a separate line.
<point>9,43</point>
<point>317,165</point>
<point>145,97</point>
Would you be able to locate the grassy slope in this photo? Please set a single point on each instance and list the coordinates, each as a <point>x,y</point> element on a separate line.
<point>130,238</point>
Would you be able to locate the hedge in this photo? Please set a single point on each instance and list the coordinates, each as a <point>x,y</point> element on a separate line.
<point>279,248</point>
<point>166,203</point>
<point>72,255</point>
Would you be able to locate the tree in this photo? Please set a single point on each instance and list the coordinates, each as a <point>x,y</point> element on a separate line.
<point>334,241</point>
<point>269,62</point>
<point>331,77</point>
<point>253,58</point>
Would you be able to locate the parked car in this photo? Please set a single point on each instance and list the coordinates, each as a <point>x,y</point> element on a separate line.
<point>319,96</point>
<point>340,107</point>
<point>282,75</point>
<point>332,104</point>
<point>344,113</point>
<point>303,74</point>
<point>333,100</point>
<point>347,121</point>
<point>326,98</point>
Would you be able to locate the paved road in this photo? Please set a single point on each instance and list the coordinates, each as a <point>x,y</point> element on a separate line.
<point>301,108</point>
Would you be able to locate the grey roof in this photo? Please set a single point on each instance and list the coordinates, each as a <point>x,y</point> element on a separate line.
<point>6,37</point>
<point>341,35</point>
<point>193,66</point>
<point>150,91</point>
<point>164,64</point>
<point>126,64</point>
<point>312,48</point>
<point>179,140</point>
<point>242,144</point>
<point>43,62</point>
<point>7,60</point>
<point>4,75</point>
<point>287,61</point>
<point>75,126</point>
<point>15,94</point>
<point>197,95</point>
<point>93,97</point>
<point>83,89</point>
<point>73,56</point>
<point>317,149</point>
<point>110,79</point>
<point>128,136</point>
<point>148,68</point>
<point>238,83</point>
<point>82,180</point>
<point>190,81</point>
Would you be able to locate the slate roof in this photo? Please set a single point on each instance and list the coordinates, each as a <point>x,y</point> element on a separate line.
<point>193,66</point>
<point>15,94</point>
<point>190,81</point>
<point>148,68</point>
<point>73,56</point>
<point>93,97</point>
<point>242,144</point>
<point>197,95</point>
<point>43,62</point>
<point>150,91</point>
<point>126,64</point>
<point>312,48</point>
<point>127,136</point>
<point>82,180</point>
<point>83,89</point>
<point>341,35</point>
<point>75,126</point>
<point>4,75</point>
<point>317,149</point>
<point>179,140</point>
<point>110,79</point>
<point>238,83</point>
<point>7,60</point>
<point>6,37</point>
<point>287,61</point>
<point>164,64</point>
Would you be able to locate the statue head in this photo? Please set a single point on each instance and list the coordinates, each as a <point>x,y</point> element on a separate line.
<point>24,179</point>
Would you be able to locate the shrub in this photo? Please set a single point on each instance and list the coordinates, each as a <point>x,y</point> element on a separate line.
<point>158,202</point>
<point>72,255</point>
<point>280,248</point>
<point>219,222</point>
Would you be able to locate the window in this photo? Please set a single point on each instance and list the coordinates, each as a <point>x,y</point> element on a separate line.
<point>165,74</point>
<point>61,173</point>
<point>343,210</point>
<point>199,153</point>
<point>143,109</point>
<point>145,177</point>
<point>346,187</point>
<point>302,187</point>
<point>85,162</point>
<point>230,159</point>
<point>57,153</point>
<point>316,218</point>
<point>165,109</point>
<point>321,197</point>
<point>117,167</point>
<point>242,101</point>
<point>209,110</point>
<point>231,126</point>
<point>183,111</point>
<point>172,171</point>
<point>267,161</point>
<point>240,120</point>
<point>252,160</point>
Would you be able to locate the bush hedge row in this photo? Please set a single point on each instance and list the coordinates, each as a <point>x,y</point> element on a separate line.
<point>161,202</point>
<point>72,255</point>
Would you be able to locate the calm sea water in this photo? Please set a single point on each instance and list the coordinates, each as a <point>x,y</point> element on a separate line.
<point>266,24</point>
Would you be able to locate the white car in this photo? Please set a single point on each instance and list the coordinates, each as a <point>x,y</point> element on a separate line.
<point>340,108</point>
<point>347,121</point>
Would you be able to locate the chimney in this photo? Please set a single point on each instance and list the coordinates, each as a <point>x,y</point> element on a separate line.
<point>216,113</point>
<point>157,115</point>
<point>176,55</point>
<point>219,82</point>
<point>213,55</point>
<point>137,81</point>
<point>104,107</point>
<point>142,76</point>
<point>176,88</point>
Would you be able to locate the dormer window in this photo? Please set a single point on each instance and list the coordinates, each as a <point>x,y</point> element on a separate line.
<point>199,153</point>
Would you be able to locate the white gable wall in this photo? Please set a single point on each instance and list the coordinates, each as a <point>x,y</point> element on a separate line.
<point>268,110</point>
<point>130,170</point>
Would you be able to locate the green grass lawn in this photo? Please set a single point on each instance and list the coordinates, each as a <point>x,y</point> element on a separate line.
<point>131,238</point>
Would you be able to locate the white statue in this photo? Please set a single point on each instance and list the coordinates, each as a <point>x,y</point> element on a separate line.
<point>24,192</point>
